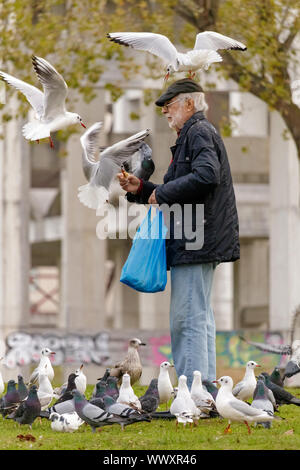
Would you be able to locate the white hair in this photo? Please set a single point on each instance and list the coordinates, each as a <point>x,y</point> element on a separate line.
<point>198,98</point>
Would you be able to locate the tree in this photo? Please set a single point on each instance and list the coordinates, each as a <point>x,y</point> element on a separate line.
<point>73,34</point>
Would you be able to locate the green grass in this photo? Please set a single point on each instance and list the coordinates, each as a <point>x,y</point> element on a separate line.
<point>159,434</point>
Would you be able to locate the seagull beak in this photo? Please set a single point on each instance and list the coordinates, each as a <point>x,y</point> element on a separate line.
<point>166,76</point>
<point>83,125</point>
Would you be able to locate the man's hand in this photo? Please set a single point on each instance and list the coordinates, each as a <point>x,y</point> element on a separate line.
<point>129,183</point>
<point>152,198</point>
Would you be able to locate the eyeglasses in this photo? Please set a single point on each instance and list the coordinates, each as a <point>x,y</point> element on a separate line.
<point>169,104</point>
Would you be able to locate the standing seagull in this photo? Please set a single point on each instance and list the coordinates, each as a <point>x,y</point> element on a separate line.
<point>126,393</point>
<point>233,409</point>
<point>245,388</point>
<point>203,54</point>
<point>131,363</point>
<point>164,384</point>
<point>101,170</point>
<point>44,363</point>
<point>49,107</point>
<point>202,398</point>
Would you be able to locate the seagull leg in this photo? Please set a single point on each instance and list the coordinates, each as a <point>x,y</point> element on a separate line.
<point>228,429</point>
<point>51,143</point>
<point>249,430</point>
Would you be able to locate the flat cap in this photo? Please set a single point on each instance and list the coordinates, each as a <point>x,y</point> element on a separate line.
<point>185,85</point>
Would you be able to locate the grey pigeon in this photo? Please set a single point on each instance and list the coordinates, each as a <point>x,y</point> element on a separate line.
<point>129,414</point>
<point>67,406</point>
<point>162,415</point>
<point>275,377</point>
<point>22,389</point>
<point>112,387</point>
<point>100,389</point>
<point>10,401</point>
<point>91,414</point>
<point>282,396</point>
<point>29,409</point>
<point>102,381</point>
<point>101,170</point>
<point>67,395</point>
<point>131,364</point>
<point>261,401</point>
<point>97,401</point>
<point>211,388</point>
<point>150,400</point>
<point>141,164</point>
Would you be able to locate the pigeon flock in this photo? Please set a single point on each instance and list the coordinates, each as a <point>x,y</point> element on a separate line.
<point>253,400</point>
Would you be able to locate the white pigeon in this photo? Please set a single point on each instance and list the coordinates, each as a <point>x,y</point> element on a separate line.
<point>164,384</point>
<point>101,168</point>
<point>183,405</point>
<point>233,409</point>
<point>45,389</point>
<point>2,385</point>
<point>44,361</point>
<point>126,393</point>
<point>245,388</point>
<point>202,398</point>
<point>202,56</point>
<point>49,107</point>
<point>66,422</point>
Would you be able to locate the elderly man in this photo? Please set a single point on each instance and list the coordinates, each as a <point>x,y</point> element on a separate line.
<point>199,180</point>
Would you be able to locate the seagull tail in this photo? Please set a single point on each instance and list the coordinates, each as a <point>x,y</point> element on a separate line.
<point>212,57</point>
<point>92,196</point>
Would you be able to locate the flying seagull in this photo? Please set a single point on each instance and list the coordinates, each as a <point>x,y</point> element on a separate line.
<point>201,56</point>
<point>101,168</point>
<point>49,106</point>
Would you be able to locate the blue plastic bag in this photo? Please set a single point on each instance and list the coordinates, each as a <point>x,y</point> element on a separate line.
<point>145,269</point>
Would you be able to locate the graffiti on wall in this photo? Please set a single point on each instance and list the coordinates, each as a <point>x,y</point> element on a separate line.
<point>106,348</point>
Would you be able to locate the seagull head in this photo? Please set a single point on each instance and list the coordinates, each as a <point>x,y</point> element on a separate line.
<point>47,352</point>
<point>136,342</point>
<point>252,365</point>
<point>74,118</point>
<point>166,365</point>
<point>225,382</point>
<point>169,70</point>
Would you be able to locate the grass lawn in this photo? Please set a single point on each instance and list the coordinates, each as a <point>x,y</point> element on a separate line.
<point>158,435</point>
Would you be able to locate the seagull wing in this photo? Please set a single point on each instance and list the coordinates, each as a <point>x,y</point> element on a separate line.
<point>285,349</point>
<point>89,142</point>
<point>215,41</point>
<point>124,149</point>
<point>156,44</point>
<point>244,408</point>
<point>55,88</point>
<point>33,95</point>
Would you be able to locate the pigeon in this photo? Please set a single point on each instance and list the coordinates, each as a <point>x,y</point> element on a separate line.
<point>45,389</point>
<point>293,365</point>
<point>282,396</point>
<point>275,377</point>
<point>2,385</point>
<point>140,164</point>
<point>67,422</point>
<point>245,388</point>
<point>261,401</point>
<point>101,172</point>
<point>183,407</point>
<point>150,400</point>
<point>165,387</point>
<point>49,107</point>
<point>44,362</point>
<point>11,400</point>
<point>126,393</point>
<point>129,414</point>
<point>103,381</point>
<point>201,57</point>
<point>233,409</point>
<point>112,387</point>
<point>67,395</point>
<point>211,388</point>
<point>202,398</point>
<point>67,406</point>
<point>131,364</point>
<point>28,409</point>
<point>22,389</point>
<point>91,414</point>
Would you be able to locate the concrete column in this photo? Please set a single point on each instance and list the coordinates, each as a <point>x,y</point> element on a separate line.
<point>83,254</point>
<point>222,296</point>
<point>284,227</point>
<point>14,226</point>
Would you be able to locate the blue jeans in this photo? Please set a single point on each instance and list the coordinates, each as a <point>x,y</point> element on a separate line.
<point>192,323</point>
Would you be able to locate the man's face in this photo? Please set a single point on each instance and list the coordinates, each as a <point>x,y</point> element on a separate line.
<point>178,111</point>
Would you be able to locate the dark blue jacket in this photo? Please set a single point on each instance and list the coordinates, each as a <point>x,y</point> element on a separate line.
<point>198,178</point>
